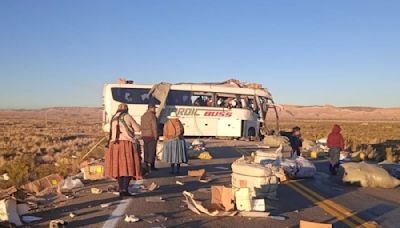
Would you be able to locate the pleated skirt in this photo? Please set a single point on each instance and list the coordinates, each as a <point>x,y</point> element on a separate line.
<point>175,152</point>
<point>122,159</point>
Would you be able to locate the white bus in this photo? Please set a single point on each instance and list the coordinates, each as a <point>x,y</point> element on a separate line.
<point>205,109</point>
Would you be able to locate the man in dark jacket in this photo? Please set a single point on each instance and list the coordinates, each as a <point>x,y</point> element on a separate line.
<point>150,136</point>
<point>295,140</point>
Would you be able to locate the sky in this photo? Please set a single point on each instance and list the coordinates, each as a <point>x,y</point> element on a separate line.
<point>312,52</point>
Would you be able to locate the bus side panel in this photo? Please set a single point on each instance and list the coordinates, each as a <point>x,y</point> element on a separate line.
<point>229,127</point>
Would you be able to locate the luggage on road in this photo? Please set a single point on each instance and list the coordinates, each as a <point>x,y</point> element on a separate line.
<point>368,175</point>
<point>298,168</point>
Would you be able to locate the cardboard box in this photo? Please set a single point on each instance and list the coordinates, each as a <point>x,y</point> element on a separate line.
<point>222,198</point>
<point>93,172</point>
<point>42,184</point>
<point>201,173</point>
<point>306,224</point>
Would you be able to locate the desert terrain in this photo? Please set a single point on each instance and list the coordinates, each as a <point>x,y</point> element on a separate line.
<point>36,143</point>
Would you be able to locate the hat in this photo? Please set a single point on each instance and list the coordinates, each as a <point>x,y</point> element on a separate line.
<point>152,103</point>
<point>173,116</point>
<point>122,107</point>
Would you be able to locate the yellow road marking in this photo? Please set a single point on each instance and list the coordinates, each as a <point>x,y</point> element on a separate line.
<point>332,204</point>
<point>323,206</point>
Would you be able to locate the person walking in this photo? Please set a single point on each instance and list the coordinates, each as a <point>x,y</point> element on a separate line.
<point>335,144</point>
<point>174,151</point>
<point>149,128</point>
<point>122,160</point>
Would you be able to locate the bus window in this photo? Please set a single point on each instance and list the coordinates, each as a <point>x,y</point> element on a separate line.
<point>227,101</point>
<point>179,97</point>
<point>132,95</point>
<point>202,99</point>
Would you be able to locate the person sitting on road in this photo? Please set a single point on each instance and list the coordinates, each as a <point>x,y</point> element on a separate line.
<point>122,161</point>
<point>335,144</point>
<point>174,151</point>
<point>295,141</point>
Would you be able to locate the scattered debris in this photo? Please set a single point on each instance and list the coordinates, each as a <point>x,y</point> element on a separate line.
<point>8,211</point>
<point>222,198</point>
<point>275,217</point>
<point>131,219</point>
<point>198,208</point>
<point>6,193</point>
<point>72,215</point>
<point>46,183</point>
<point>57,223</point>
<point>205,156</point>
<point>254,214</point>
<point>221,168</point>
<point>201,173</point>
<point>306,224</point>
<point>155,199</point>
<point>69,184</point>
<point>96,191</point>
<point>153,186</point>
<point>154,218</point>
<point>179,183</point>
<point>30,219</point>
<point>92,171</point>
<point>105,205</point>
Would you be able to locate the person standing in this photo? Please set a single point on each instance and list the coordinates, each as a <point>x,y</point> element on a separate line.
<point>335,144</point>
<point>295,140</point>
<point>174,151</point>
<point>122,160</point>
<point>149,128</point>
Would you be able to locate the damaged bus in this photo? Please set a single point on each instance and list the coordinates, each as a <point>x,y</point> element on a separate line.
<point>227,109</point>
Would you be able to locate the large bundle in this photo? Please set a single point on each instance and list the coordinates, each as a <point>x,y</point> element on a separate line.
<point>298,168</point>
<point>275,141</point>
<point>368,175</point>
<point>260,180</point>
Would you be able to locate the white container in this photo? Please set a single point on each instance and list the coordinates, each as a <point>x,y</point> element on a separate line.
<point>258,205</point>
<point>243,199</point>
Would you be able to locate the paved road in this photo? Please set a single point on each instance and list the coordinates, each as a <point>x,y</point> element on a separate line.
<point>321,199</point>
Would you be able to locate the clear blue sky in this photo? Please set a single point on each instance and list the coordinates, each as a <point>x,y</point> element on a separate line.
<point>60,53</point>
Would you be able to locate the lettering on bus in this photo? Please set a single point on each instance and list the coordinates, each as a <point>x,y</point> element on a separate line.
<point>201,112</point>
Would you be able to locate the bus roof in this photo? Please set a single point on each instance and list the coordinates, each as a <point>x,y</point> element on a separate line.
<point>230,87</point>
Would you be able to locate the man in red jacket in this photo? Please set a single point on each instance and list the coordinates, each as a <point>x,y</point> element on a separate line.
<point>335,144</point>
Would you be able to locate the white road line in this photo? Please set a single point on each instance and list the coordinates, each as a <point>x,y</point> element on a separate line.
<point>117,214</point>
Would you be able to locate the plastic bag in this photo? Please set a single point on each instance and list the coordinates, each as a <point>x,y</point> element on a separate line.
<point>298,168</point>
<point>368,175</point>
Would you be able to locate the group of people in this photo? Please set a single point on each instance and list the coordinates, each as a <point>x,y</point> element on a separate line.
<point>335,143</point>
<point>123,159</point>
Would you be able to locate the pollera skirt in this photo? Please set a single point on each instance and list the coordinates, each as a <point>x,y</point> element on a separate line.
<point>175,152</point>
<point>122,159</point>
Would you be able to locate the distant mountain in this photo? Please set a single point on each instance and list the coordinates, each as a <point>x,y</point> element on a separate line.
<point>286,112</point>
<point>330,112</point>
